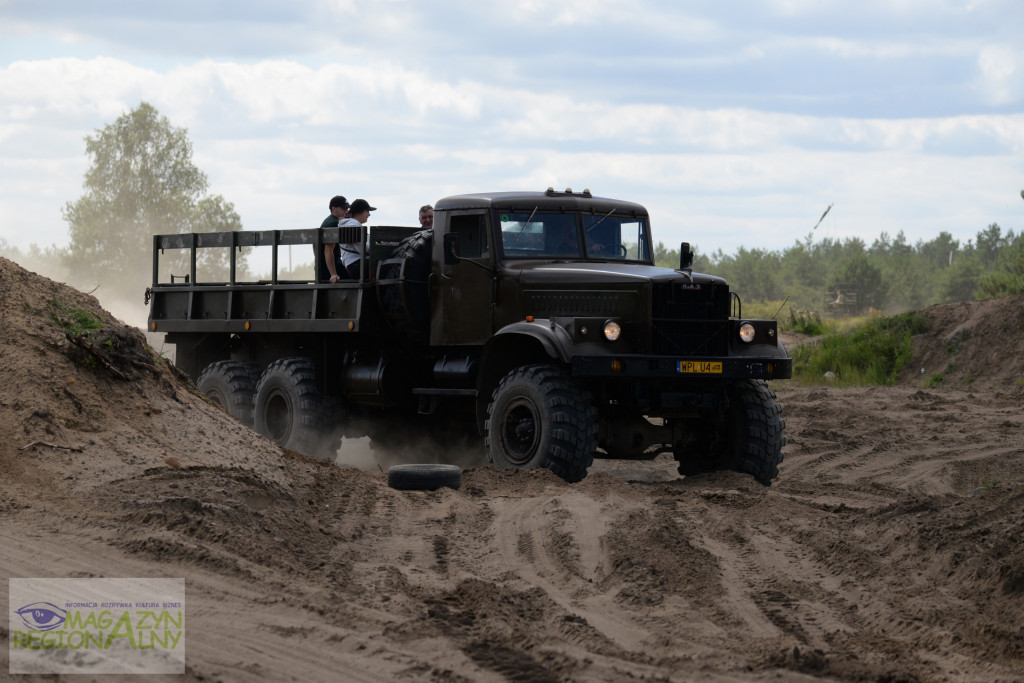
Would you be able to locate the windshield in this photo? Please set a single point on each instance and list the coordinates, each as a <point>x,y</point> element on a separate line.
<point>566,236</point>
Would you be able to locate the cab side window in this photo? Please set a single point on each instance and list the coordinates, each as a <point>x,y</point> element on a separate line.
<point>472,232</point>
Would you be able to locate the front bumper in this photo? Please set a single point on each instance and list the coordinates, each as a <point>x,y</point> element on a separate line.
<point>675,367</point>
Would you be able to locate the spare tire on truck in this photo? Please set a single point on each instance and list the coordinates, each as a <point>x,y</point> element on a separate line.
<point>402,287</point>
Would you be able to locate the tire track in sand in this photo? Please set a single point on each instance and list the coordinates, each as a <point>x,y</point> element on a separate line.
<point>559,549</point>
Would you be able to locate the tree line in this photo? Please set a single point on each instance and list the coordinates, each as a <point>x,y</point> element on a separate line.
<point>142,182</point>
<point>890,275</point>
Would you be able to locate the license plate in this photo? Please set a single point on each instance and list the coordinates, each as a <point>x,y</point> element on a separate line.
<point>699,368</point>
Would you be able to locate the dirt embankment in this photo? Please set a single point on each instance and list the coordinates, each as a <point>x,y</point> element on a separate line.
<point>890,548</point>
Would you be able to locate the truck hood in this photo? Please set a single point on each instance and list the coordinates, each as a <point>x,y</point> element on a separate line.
<point>604,273</point>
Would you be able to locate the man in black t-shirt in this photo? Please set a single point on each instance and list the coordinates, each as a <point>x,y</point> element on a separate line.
<point>329,267</point>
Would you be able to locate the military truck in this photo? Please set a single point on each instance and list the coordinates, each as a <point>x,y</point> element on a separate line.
<point>534,325</point>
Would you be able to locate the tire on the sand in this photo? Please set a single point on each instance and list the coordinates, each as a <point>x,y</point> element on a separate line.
<point>289,410</point>
<point>539,417</point>
<point>426,477</point>
<point>231,384</point>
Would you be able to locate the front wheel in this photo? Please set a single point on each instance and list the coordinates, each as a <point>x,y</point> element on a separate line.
<point>289,409</point>
<point>539,417</point>
<point>749,439</point>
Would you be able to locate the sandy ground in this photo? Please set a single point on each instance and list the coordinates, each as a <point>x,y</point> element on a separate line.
<point>891,547</point>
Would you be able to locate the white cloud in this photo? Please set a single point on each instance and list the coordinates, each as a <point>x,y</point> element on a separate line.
<point>1001,73</point>
<point>733,130</point>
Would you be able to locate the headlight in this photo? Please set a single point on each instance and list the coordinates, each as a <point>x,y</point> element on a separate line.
<point>612,330</point>
<point>747,332</point>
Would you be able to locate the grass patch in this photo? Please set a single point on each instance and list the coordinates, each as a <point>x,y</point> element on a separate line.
<point>870,353</point>
<point>74,321</point>
<point>805,322</point>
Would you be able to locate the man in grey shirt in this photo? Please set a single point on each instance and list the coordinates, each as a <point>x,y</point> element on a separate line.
<point>360,212</point>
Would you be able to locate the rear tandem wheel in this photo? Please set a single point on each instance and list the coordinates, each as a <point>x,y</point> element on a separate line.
<point>231,384</point>
<point>289,409</point>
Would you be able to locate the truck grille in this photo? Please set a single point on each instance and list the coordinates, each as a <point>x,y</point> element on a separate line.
<point>690,321</point>
<point>584,303</point>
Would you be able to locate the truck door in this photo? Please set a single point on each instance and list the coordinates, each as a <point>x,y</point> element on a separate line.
<point>465,288</point>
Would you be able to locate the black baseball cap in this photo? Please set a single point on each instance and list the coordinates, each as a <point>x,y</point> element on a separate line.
<point>360,205</point>
<point>338,200</point>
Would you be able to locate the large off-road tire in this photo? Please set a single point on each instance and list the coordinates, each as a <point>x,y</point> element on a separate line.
<point>406,305</point>
<point>539,417</point>
<point>424,477</point>
<point>748,440</point>
<point>231,384</point>
<point>289,409</point>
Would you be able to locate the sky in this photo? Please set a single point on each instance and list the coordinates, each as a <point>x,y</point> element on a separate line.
<point>735,123</point>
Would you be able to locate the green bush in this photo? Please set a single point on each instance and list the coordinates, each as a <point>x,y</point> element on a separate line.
<point>870,354</point>
<point>805,322</point>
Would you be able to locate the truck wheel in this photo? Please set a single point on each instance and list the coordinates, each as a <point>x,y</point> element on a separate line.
<point>231,384</point>
<point>538,417</point>
<point>424,477</point>
<point>749,441</point>
<point>406,305</point>
<point>289,410</point>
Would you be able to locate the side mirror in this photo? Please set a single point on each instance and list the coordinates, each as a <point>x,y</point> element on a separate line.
<point>451,249</point>
<point>685,256</point>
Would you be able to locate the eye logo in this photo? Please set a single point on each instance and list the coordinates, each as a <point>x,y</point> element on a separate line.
<point>41,616</point>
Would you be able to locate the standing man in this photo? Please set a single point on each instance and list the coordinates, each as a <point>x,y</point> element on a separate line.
<point>360,211</point>
<point>426,216</point>
<point>329,267</point>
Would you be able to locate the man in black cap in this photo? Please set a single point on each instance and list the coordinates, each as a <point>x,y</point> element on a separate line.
<point>329,263</point>
<point>360,213</point>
